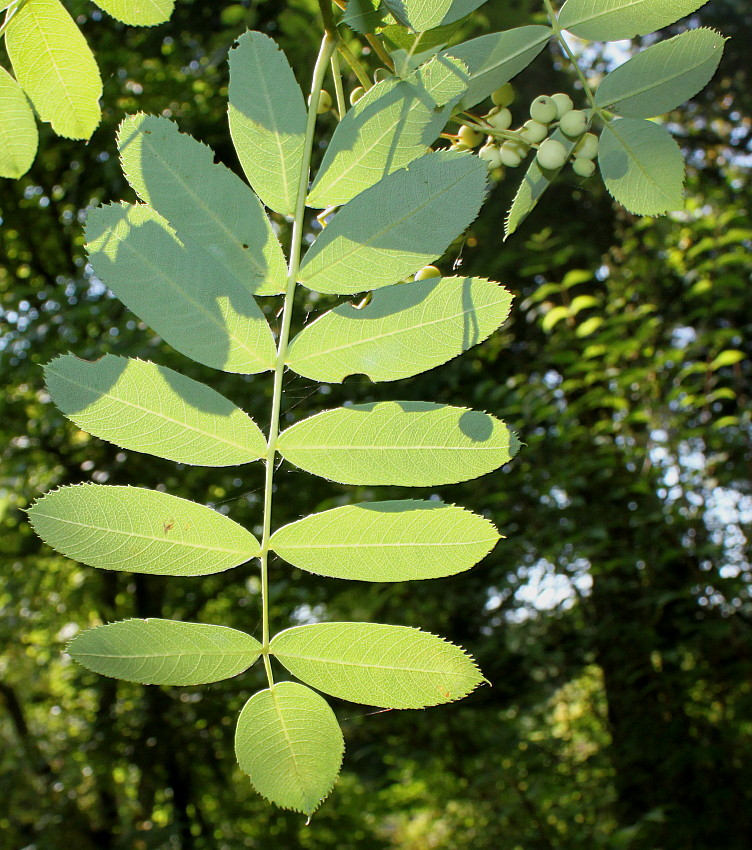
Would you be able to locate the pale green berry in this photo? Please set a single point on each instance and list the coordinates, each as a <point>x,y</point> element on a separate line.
<point>573,124</point>
<point>356,94</point>
<point>533,131</point>
<point>381,74</point>
<point>325,102</point>
<point>587,147</point>
<point>543,109</point>
<point>469,137</point>
<point>563,103</point>
<point>492,155</point>
<point>427,272</point>
<point>458,146</point>
<point>512,153</point>
<point>582,166</point>
<point>499,118</point>
<point>503,96</point>
<point>551,155</point>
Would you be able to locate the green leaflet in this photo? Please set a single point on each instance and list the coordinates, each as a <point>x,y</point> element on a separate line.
<point>614,20</point>
<point>268,117</point>
<point>533,187</point>
<point>202,200</point>
<point>387,541</point>
<point>407,443</point>
<point>164,652</point>
<point>642,166</point>
<point>663,76</point>
<point>493,60</point>
<point>406,220</point>
<point>410,49</point>
<point>289,742</point>
<point>366,15</point>
<point>141,531</point>
<point>148,408</point>
<point>389,127</point>
<point>138,13</point>
<point>387,666</point>
<point>404,330</point>
<point>423,15</point>
<point>18,129</point>
<point>55,67</point>
<point>194,304</point>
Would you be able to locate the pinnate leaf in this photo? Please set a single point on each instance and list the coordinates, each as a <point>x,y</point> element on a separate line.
<point>408,443</point>
<point>202,200</point>
<point>289,742</point>
<point>165,652</point>
<point>663,76</point>
<point>267,120</point>
<point>423,15</point>
<point>55,67</point>
<point>404,330</point>
<point>406,220</point>
<point>387,666</point>
<point>614,20</point>
<point>642,166</point>
<point>138,13</point>
<point>387,541</point>
<point>140,531</point>
<point>18,129</point>
<point>148,408</point>
<point>192,302</point>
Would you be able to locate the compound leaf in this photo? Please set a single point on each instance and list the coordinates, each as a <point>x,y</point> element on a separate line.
<point>268,117</point>
<point>148,408</point>
<point>387,666</point>
<point>642,166</point>
<point>365,16</point>
<point>421,15</point>
<point>407,443</point>
<point>614,20</point>
<point>387,541</point>
<point>55,67</point>
<point>193,303</point>
<point>138,13</point>
<point>663,76</point>
<point>202,200</point>
<point>404,330</point>
<point>406,220</point>
<point>289,742</point>
<point>18,129</point>
<point>140,531</point>
<point>164,652</point>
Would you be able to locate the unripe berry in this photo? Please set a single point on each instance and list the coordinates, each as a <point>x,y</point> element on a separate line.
<point>503,96</point>
<point>551,155</point>
<point>533,131</point>
<point>500,118</point>
<point>563,103</point>
<point>583,167</point>
<point>356,94</point>
<point>512,153</point>
<point>427,272</point>
<point>325,102</point>
<point>543,109</point>
<point>587,147</point>
<point>573,124</point>
<point>469,137</point>
<point>381,74</point>
<point>492,155</point>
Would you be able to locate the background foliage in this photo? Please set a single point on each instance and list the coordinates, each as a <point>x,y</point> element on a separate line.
<point>614,621</point>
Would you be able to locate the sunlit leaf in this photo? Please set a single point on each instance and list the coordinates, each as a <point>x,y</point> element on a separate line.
<point>388,666</point>
<point>614,20</point>
<point>366,16</point>
<point>148,408</point>
<point>409,443</point>
<point>140,531</point>
<point>387,541</point>
<point>18,129</point>
<point>289,742</point>
<point>138,13</point>
<point>164,652</point>
<point>423,15</point>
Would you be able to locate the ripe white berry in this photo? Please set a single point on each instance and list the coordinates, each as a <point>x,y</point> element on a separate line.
<point>551,154</point>
<point>512,153</point>
<point>500,118</point>
<point>533,131</point>
<point>492,155</point>
<point>469,137</point>
<point>563,103</point>
<point>573,124</point>
<point>543,109</point>
<point>587,147</point>
<point>583,167</point>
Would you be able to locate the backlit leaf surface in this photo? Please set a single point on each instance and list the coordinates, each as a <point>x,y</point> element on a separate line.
<point>164,652</point>
<point>387,541</point>
<point>148,408</point>
<point>614,20</point>
<point>387,666</point>
<point>18,129</point>
<point>55,67</point>
<point>138,13</point>
<point>289,742</point>
<point>178,289</point>
<point>409,443</point>
<point>404,330</point>
<point>202,200</point>
<point>267,120</point>
<point>140,531</point>
<point>426,14</point>
<point>394,228</point>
